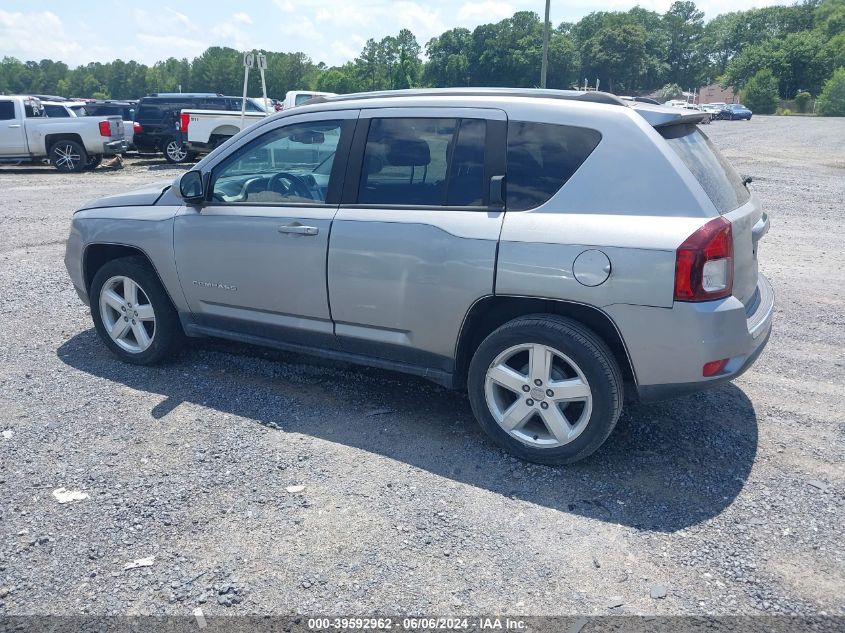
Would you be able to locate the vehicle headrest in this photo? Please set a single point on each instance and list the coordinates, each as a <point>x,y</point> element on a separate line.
<point>408,152</point>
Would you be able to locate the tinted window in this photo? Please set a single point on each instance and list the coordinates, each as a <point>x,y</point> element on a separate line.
<point>300,99</point>
<point>715,174</point>
<point>290,164</point>
<point>56,111</point>
<point>7,110</point>
<point>431,162</point>
<point>541,158</point>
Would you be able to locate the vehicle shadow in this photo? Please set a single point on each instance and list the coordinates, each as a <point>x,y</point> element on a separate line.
<point>667,465</point>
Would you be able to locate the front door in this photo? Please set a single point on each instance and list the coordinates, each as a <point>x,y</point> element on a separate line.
<point>253,259</point>
<point>414,243</point>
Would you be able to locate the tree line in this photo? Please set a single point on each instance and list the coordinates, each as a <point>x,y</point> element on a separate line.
<point>630,52</point>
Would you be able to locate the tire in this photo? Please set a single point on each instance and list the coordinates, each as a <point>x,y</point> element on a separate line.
<point>94,161</point>
<point>68,156</point>
<point>580,358</point>
<point>174,150</point>
<point>164,331</point>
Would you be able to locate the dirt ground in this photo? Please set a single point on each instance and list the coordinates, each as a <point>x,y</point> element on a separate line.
<point>731,501</point>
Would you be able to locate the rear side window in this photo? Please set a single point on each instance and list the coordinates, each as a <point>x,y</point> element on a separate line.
<point>300,99</point>
<point>56,111</point>
<point>713,172</point>
<point>7,110</point>
<point>541,158</point>
<point>428,162</point>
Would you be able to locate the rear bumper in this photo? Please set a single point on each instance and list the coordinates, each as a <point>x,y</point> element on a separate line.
<point>115,147</point>
<point>669,347</point>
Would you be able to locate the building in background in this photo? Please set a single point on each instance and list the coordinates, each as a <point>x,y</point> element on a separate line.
<point>714,93</point>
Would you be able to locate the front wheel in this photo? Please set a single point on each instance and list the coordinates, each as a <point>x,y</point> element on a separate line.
<point>68,156</point>
<point>545,388</point>
<point>132,312</point>
<point>174,150</point>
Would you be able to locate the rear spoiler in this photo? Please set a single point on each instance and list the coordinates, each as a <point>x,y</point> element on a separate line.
<point>662,116</point>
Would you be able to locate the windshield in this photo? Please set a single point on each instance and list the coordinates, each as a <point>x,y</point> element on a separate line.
<point>713,172</point>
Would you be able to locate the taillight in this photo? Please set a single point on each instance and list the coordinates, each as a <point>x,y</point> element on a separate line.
<point>704,263</point>
<point>714,367</point>
<point>137,127</point>
<point>184,121</point>
<point>105,128</point>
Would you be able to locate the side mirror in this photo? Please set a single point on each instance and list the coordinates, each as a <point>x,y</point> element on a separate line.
<point>191,187</point>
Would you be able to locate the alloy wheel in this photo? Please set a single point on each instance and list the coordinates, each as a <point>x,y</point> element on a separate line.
<point>127,314</point>
<point>538,395</point>
<point>66,157</point>
<point>176,151</point>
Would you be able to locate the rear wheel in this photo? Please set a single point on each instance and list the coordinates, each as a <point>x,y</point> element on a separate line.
<point>68,156</point>
<point>545,388</point>
<point>132,312</point>
<point>174,150</point>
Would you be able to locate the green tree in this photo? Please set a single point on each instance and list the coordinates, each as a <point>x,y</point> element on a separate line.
<point>684,24</point>
<point>802,100</point>
<point>669,92</point>
<point>832,99</point>
<point>761,93</point>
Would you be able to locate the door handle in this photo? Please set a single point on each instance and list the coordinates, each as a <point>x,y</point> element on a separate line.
<point>298,229</point>
<point>15,125</point>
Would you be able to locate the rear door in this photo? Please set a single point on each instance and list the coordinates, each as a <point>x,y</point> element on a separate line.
<point>413,244</point>
<point>12,135</point>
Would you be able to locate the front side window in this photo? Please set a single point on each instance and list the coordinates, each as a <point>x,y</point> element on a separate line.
<point>291,164</point>
<point>541,158</point>
<point>429,162</point>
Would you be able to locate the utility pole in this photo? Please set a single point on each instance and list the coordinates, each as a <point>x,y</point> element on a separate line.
<point>545,67</point>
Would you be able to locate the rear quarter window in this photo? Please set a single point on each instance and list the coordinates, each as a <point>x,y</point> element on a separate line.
<point>713,172</point>
<point>541,158</point>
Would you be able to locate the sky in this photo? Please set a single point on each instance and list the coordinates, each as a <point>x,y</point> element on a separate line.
<point>332,31</point>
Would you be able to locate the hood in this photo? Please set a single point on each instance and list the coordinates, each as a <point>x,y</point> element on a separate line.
<point>145,196</point>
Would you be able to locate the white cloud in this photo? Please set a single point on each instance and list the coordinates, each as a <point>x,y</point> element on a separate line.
<point>161,47</point>
<point>182,21</point>
<point>285,5</point>
<point>242,18</point>
<point>37,36</point>
<point>225,34</point>
<point>486,11</point>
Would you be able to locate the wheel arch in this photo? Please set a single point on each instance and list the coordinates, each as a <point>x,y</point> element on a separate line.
<point>52,139</point>
<point>97,254</point>
<point>492,311</point>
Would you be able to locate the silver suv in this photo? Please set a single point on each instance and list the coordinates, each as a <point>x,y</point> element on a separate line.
<point>549,251</point>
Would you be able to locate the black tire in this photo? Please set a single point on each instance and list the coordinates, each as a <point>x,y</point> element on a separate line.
<point>584,348</point>
<point>168,336</point>
<point>94,161</point>
<point>174,150</point>
<point>68,156</point>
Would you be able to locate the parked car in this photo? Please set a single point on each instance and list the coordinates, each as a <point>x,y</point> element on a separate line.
<point>501,241</point>
<point>203,130</point>
<point>63,109</point>
<point>71,143</point>
<point>737,112</point>
<point>294,98</point>
<point>124,109</point>
<point>707,116</point>
<point>157,121</point>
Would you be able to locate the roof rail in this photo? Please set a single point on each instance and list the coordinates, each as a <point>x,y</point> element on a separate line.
<point>570,95</point>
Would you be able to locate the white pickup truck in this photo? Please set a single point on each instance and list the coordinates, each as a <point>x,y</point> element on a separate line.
<point>203,130</point>
<point>72,144</point>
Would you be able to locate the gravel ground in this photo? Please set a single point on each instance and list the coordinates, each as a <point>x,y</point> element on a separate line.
<point>727,502</point>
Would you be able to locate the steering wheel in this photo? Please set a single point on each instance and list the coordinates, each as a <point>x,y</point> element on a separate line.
<point>297,186</point>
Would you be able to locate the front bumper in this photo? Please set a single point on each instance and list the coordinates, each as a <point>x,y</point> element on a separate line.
<point>115,147</point>
<point>669,347</point>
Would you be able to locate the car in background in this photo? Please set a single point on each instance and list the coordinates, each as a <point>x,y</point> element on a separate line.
<point>71,143</point>
<point>737,112</point>
<point>294,98</point>
<point>698,108</point>
<point>124,109</point>
<point>157,120</point>
<point>63,109</point>
<point>204,130</point>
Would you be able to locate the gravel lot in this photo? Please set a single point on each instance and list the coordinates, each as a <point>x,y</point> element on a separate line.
<point>731,501</point>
